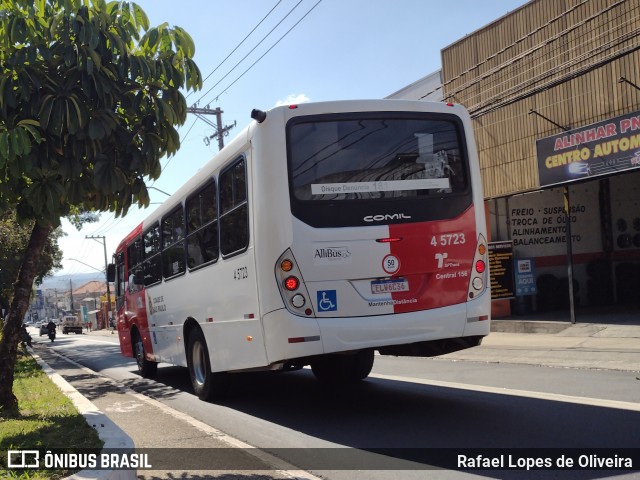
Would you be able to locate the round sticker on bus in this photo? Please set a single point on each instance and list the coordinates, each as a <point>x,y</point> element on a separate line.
<point>391,264</point>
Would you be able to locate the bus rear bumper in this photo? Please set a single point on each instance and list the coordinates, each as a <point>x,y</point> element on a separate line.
<point>423,333</point>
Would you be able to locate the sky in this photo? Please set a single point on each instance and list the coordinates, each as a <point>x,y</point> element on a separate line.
<point>262,53</point>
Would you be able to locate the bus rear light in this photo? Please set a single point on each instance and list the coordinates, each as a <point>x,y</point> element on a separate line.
<point>388,240</point>
<point>478,277</point>
<point>298,301</point>
<point>286,265</point>
<point>312,338</point>
<point>291,283</point>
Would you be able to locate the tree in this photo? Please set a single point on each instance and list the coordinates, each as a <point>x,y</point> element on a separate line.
<point>13,241</point>
<point>90,98</point>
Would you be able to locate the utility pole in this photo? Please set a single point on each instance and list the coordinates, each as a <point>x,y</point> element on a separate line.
<point>71,295</point>
<point>220,130</point>
<point>102,239</point>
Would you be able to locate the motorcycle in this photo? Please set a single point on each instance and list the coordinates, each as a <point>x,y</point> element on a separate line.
<point>52,334</point>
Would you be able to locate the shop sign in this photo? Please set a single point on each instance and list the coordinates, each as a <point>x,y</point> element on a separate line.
<point>600,149</point>
<point>501,270</point>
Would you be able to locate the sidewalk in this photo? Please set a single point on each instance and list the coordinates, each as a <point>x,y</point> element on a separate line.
<point>603,340</point>
<point>153,425</point>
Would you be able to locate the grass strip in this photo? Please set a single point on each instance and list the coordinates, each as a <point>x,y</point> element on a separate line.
<point>47,419</point>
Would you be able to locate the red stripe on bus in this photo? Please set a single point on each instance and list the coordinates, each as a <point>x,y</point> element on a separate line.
<point>435,258</point>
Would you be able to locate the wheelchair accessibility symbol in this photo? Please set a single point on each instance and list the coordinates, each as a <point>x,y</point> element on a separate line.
<point>327,300</point>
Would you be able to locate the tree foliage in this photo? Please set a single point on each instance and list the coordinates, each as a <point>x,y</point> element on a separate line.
<point>13,242</point>
<point>90,99</point>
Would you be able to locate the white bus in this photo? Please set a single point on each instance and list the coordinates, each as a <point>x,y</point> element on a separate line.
<point>322,233</point>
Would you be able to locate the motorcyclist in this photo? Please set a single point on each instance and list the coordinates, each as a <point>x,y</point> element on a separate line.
<point>51,328</point>
<point>25,338</point>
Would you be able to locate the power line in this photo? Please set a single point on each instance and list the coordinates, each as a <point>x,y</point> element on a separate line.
<point>239,45</point>
<point>529,61</point>
<point>251,51</point>
<point>265,53</point>
<point>224,130</point>
<point>491,95</point>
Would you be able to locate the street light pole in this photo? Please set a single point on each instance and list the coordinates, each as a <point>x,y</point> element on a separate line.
<point>103,240</point>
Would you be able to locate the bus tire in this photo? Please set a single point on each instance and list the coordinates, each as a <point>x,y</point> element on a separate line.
<point>206,384</point>
<point>343,368</point>
<point>146,368</point>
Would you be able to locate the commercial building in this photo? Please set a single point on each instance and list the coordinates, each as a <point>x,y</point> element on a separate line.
<point>554,91</point>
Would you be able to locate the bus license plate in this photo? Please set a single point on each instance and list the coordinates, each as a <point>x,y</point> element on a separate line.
<point>390,286</point>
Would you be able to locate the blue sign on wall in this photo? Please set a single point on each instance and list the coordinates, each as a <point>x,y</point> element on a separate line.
<point>525,277</point>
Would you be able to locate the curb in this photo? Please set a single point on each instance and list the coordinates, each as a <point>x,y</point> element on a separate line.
<point>108,431</point>
<point>528,326</point>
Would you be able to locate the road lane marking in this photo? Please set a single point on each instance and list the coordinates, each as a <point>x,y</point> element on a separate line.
<point>556,397</point>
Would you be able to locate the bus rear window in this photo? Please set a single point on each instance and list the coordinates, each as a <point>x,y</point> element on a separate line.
<point>375,158</point>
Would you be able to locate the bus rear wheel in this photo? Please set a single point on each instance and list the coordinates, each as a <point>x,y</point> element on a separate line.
<point>206,384</point>
<point>146,368</point>
<point>343,368</point>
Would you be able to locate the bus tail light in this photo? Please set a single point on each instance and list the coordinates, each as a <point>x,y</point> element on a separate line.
<point>478,280</point>
<point>291,285</point>
<point>298,301</point>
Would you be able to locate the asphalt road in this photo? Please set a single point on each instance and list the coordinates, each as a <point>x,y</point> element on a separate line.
<point>406,403</point>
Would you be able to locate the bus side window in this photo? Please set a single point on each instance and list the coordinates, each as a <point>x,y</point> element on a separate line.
<point>234,210</point>
<point>202,226</point>
<point>173,261</point>
<point>134,267</point>
<point>152,266</point>
<point>119,281</point>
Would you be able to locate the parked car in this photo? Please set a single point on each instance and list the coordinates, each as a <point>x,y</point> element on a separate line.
<point>43,328</point>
